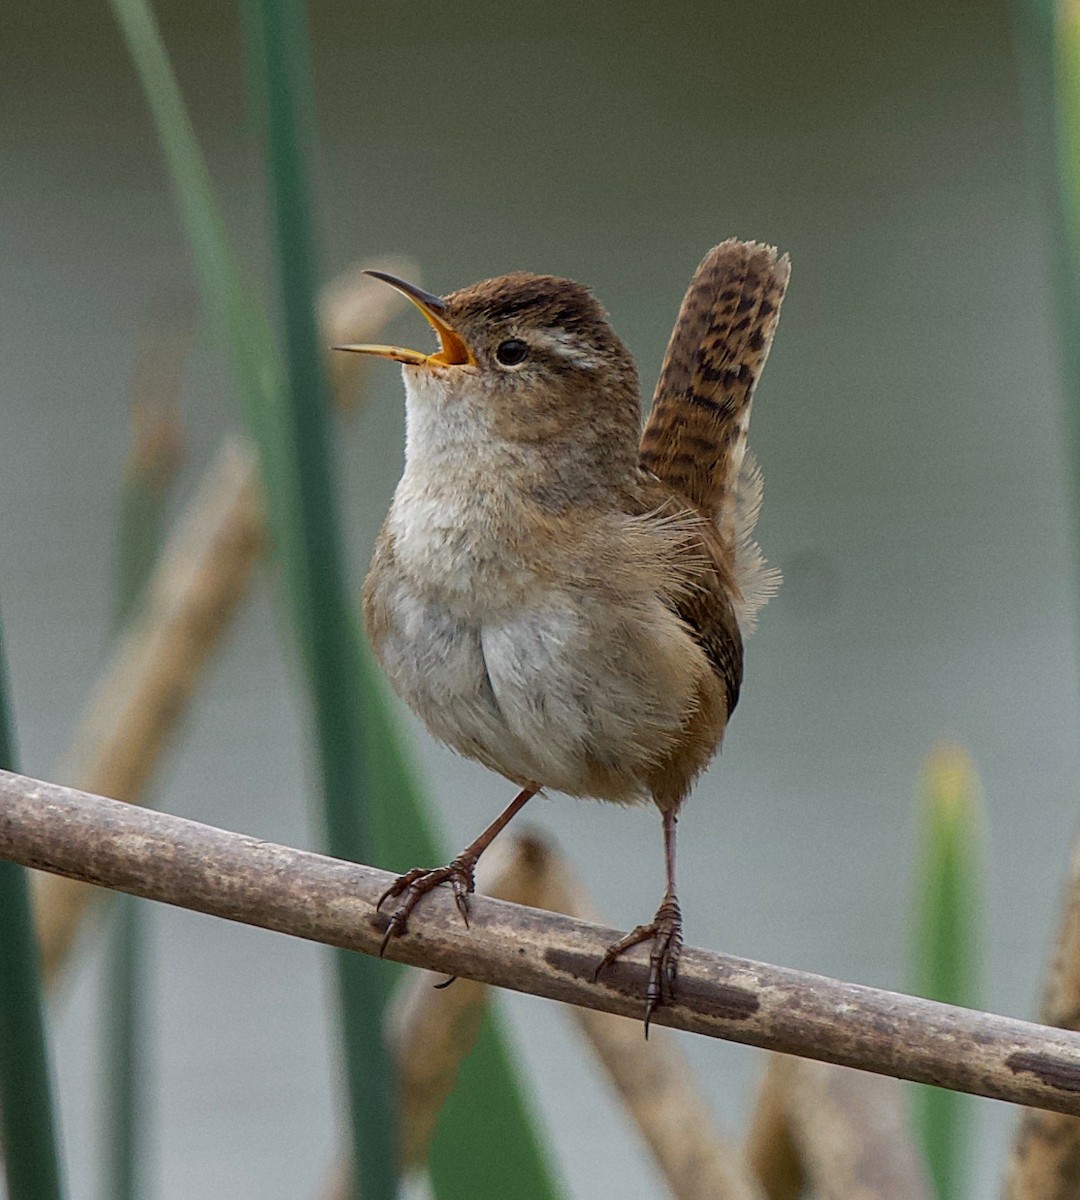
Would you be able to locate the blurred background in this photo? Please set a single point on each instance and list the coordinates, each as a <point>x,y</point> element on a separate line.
<point>911,425</point>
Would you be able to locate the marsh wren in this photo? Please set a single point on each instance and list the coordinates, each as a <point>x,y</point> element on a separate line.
<point>555,593</point>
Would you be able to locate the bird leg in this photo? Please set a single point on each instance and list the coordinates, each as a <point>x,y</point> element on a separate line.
<point>664,931</point>
<point>459,874</point>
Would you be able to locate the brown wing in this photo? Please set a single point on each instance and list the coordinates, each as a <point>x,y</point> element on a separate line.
<point>706,600</point>
<point>711,619</point>
<point>695,437</point>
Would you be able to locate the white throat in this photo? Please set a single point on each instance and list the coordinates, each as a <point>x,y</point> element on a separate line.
<point>452,515</point>
<point>446,425</point>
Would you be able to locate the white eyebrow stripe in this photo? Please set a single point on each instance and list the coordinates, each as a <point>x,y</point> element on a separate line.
<point>567,346</point>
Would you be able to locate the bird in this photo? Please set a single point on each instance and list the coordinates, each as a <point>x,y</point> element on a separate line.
<point>556,592</point>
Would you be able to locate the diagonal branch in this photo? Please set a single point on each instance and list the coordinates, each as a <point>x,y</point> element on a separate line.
<point>240,878</point>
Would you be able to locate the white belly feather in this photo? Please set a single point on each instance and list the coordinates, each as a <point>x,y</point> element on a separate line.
<point>540,694</point>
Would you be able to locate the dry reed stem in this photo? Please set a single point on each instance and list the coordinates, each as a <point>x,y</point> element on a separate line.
<point>851,1136</point>
<point>839,1132</point>
<point>1045,1159</point>
<point>157,442</point>
<point>165,858</point>
<point>770,1148</point>
<point>203,573</point>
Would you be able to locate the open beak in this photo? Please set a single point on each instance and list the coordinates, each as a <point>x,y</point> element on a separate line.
<point>452,350</point>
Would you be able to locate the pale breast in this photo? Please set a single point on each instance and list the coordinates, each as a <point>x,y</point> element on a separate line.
<point>529,639</point>
<point>559,688</point>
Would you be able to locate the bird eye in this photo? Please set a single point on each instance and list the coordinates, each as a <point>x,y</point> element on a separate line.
<point>511,352</point>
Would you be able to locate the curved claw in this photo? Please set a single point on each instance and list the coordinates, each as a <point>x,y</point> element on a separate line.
<point>637,935</point>
<point>395,928</point>
<point>416,884</point>
<point>461,895</point>
<point>665,934</point>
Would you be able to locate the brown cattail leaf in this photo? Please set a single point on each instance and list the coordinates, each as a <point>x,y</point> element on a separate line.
<point>353,308</point>
<point>433,1028</point>
<point>851,1132</point>
<point>1045,1159</point>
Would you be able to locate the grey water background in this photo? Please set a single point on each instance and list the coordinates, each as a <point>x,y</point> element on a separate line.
<point>910,424</point>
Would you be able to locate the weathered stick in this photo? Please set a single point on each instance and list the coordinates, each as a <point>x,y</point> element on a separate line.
<point>208,870</point>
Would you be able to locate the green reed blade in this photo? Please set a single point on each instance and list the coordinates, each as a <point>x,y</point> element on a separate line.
<point>401,826</point>
<point>1048,49</point>
<point>27,1123</point>
<point>947,942</point>
<point>279,58</point>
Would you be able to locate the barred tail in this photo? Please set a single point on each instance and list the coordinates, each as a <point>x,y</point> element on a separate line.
<point>695,437</point>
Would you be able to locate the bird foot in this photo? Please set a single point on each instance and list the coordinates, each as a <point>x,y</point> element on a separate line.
<point>415,884</point>
<point>665,934</point>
